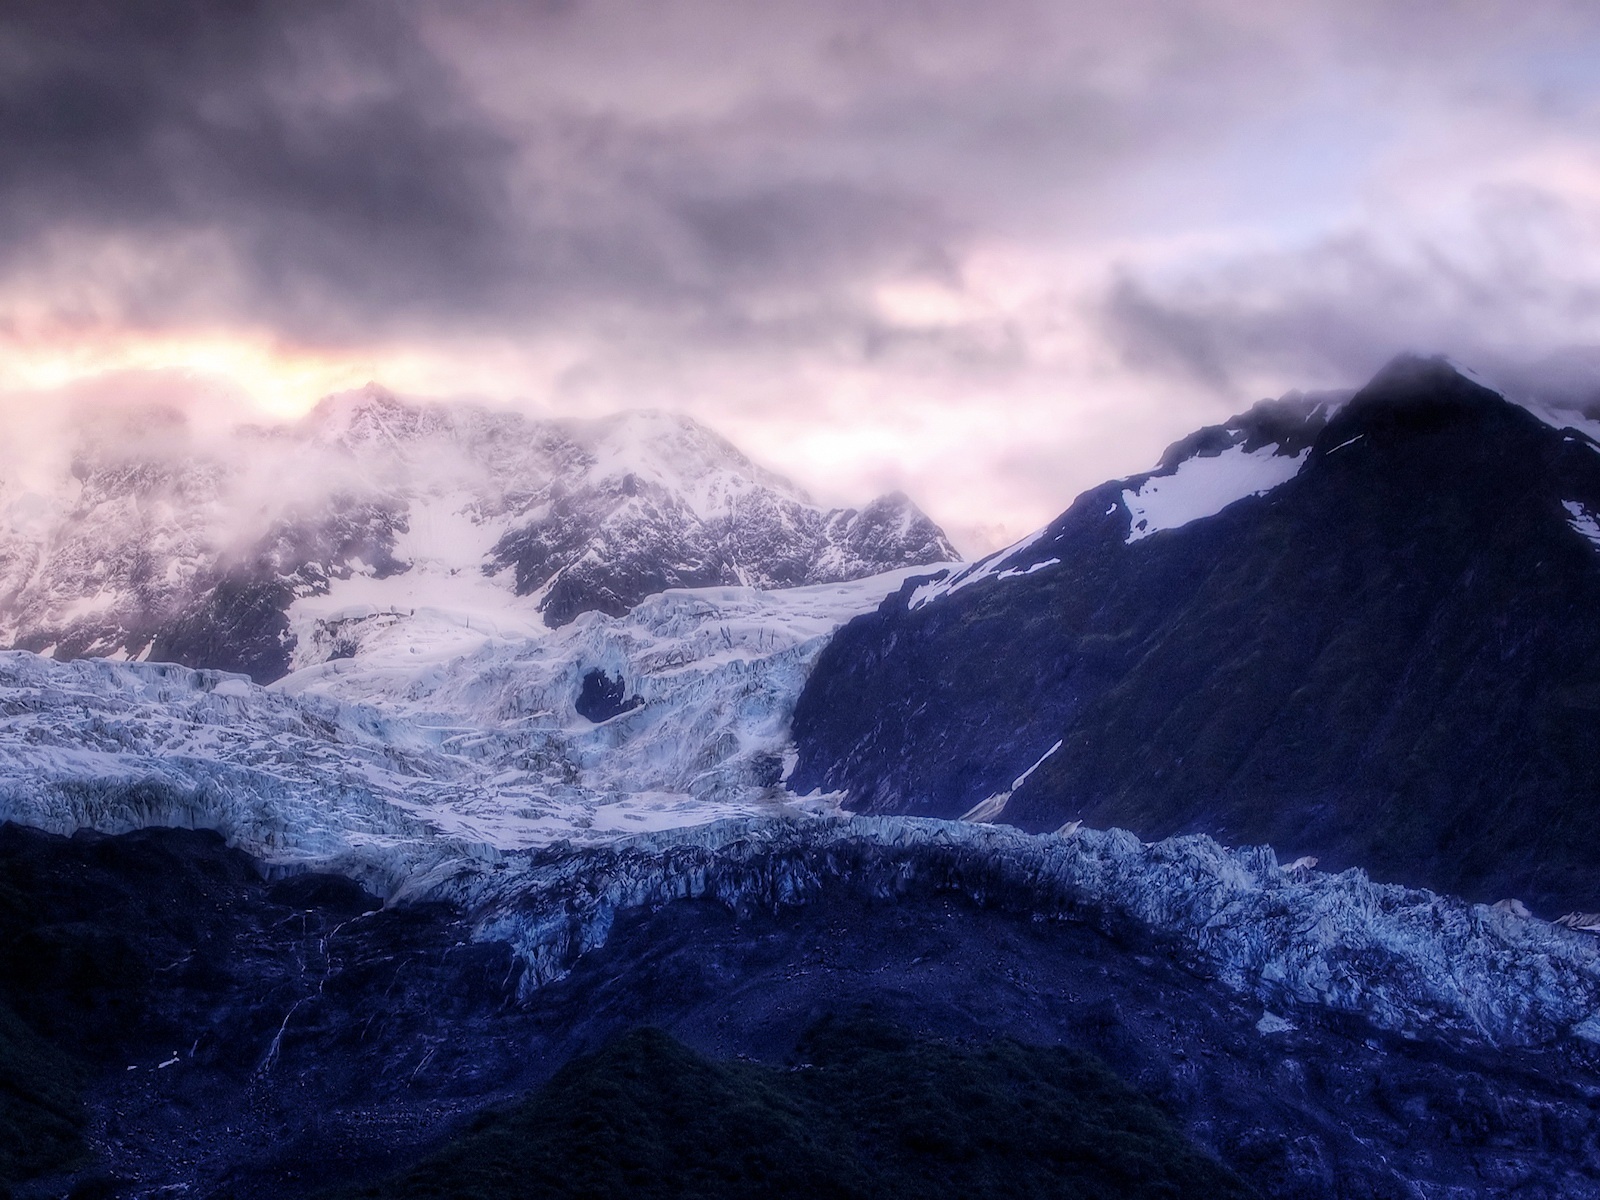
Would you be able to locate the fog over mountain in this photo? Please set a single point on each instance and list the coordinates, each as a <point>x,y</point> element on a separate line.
<point>262,548</point>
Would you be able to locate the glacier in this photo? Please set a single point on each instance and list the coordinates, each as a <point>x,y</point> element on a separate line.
<point>1407,960</point>
<point>432,773</point>
<point>413,749</point>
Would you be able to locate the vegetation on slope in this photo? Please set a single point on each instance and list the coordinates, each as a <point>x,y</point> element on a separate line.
<point>866,1112</point>
<point>41,1115</point>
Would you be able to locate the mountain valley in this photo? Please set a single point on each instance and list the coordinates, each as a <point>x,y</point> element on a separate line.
<point>534,770</point>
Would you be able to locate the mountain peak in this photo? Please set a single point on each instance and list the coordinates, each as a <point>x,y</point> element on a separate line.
<point>1409,376</point>
<point>1381,653</point>
<point>1414,395</point>
<point>371,414</point>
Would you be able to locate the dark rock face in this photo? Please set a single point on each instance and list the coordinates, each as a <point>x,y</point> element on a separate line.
<point>238,625</point>
<point>305,1032</point>
<point>1392,660</point>
<point>604,549</point>
<point>610,550</point>
<point>311,1040</point>
<point>602,697</point>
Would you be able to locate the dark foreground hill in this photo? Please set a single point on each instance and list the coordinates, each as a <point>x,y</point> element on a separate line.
<point>1391,658</point>
<point>865,1112</point>
<point>192,1028</point>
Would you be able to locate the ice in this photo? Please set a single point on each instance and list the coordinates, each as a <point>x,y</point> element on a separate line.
<point>1406,960</point>
<point>443,735</point>
<point>1204,486</point>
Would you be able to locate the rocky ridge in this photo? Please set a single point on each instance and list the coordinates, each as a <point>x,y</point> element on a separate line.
<point>270,1038</point>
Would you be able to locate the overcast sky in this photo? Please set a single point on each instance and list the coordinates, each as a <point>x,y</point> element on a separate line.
<point>989,253</point>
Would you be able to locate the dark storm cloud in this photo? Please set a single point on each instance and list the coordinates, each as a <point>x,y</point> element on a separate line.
<point>1338,310</point>
<point>318,143</point>
<point>935,230</point>
<point>348,168</point>
<point>1514,294</point>
<point>345,176</point>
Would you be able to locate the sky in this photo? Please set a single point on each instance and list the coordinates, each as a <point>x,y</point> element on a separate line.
<point>989,254</point>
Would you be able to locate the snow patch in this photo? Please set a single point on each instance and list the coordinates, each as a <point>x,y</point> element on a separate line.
<point>1203,487</point>
<point>1582,520</point>
<point>986,812</point>
<point>990,567</point>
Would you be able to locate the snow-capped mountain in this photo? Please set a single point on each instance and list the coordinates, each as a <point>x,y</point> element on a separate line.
<point>273,548</point>
<point>1367,631</point>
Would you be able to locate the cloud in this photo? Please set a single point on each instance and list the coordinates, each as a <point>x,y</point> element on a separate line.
<point>319,153</point>
<point>1514,288</point>
<point>987,253</point>
<point>346,168</point>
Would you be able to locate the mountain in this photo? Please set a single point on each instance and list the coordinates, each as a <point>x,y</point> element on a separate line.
<point>269,549</point>
<point>544,838</point>
<point>1365,631</point>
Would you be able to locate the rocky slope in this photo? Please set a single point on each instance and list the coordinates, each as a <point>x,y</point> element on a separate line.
<point>254,551</point>
<point>1368,634</point>
<point>1324,1037</point>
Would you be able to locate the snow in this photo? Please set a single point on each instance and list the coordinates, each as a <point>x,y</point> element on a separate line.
<point>417,751</point>
<point>1556,418</point>
<point>1200,486</point>
<point>991,567</point>
<point>987,812</point>
<point>1346,442</point>
<point>1584,521</point>
<point>1203,487</point>
<point>442,607</point>
<point>1023,778</point>
<point>97,555</point>
<point>680,456</point>
<point>1567,418</point>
